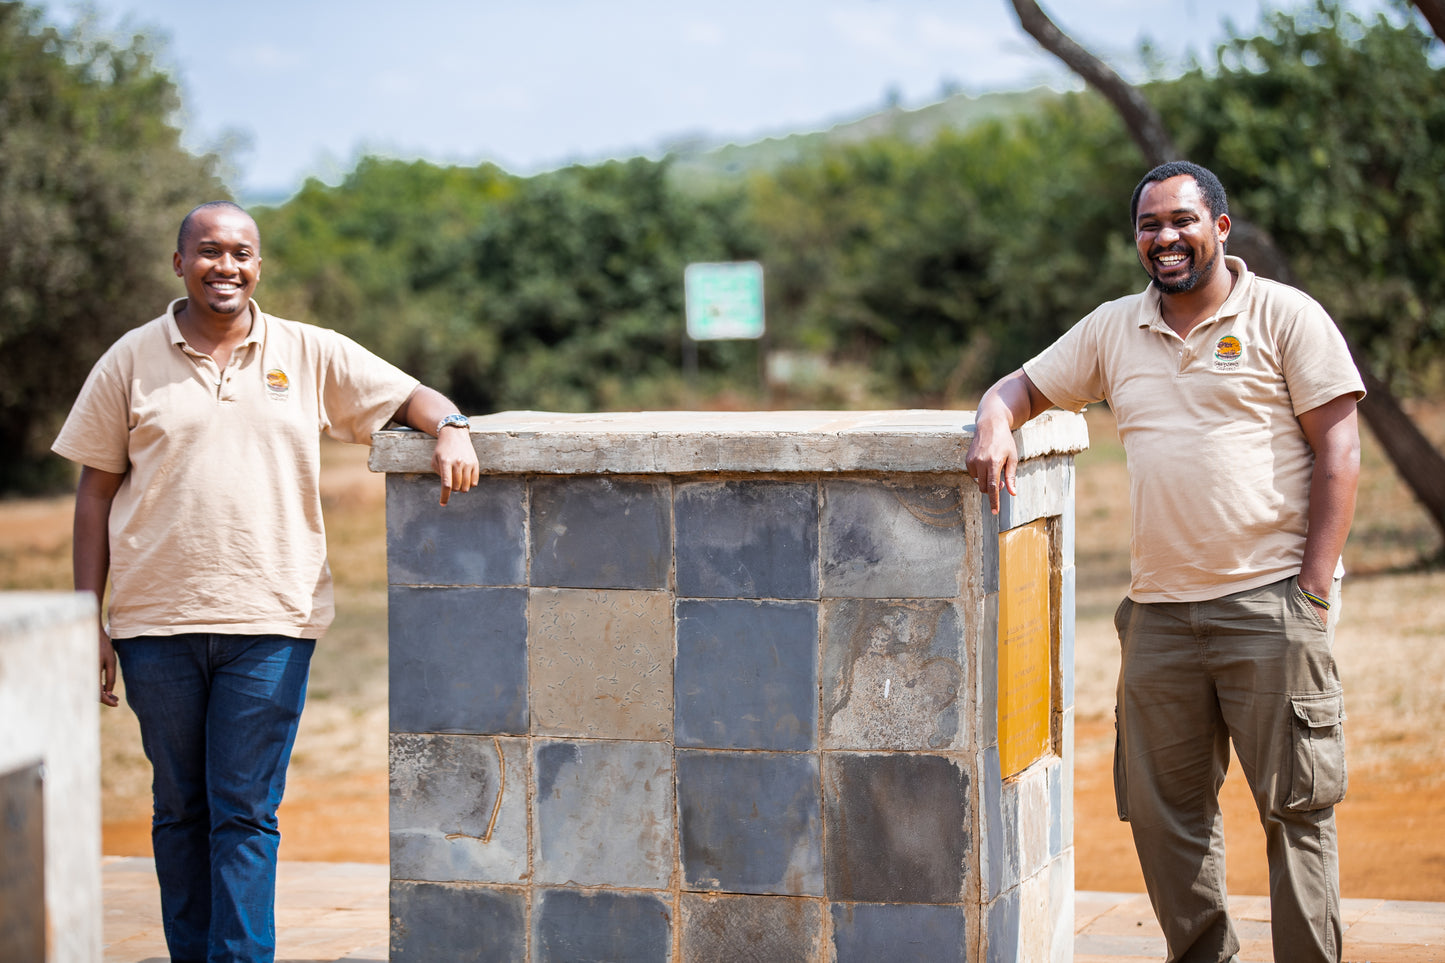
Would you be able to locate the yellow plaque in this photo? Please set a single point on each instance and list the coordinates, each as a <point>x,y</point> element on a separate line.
<point>1024,663</point>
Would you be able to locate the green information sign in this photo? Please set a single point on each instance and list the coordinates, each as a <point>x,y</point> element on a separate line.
<point>724,301</point>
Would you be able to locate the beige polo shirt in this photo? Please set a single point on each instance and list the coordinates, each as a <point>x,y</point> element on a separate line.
<point>217,526</point>
<point>1219,468</point>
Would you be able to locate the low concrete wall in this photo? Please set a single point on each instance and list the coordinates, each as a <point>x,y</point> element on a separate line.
<point>691,686</point>
<point>50,752</point>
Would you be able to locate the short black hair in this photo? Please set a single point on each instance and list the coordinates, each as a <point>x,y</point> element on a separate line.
<point>186,221</point>
<point>1213,191</point>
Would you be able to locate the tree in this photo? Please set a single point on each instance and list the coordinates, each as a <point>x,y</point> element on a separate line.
<point>579,277</point>
<point>384,258</point>
<point>920,259</point>
<point>1371,149</point>
<point>93,182</point>
<point>562,290</point>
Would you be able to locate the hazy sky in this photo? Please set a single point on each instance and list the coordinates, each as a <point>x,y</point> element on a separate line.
<point>309,85</point>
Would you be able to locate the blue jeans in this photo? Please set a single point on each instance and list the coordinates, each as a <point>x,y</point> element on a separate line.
<point>218,716</point>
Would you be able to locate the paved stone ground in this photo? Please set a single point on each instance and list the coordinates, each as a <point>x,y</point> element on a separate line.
<point>337,913</point>
<point>326,912</point>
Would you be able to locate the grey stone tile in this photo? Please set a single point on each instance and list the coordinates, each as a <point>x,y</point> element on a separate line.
<point>1042,490</point>
<point>987,687</point>
<point>1009,509</point>
<point>747,539</point>
<point>893,540</point>
<point>747,674</point>
<point>1069,517</point>
<point>601,663</point>
<point>1032,789</point>
<point>458,660</point>
<point>444,796</point>
<point>1000,857</point>
<point>1067,630</point>
<point>868,933</point>
<point>893,672</point>
<point>479,538</point>
<point>457,922</point>
<point>571,925</point>
<point>750,822</point>
<point>751,929</point>
<point>1061,907</point>
<point>601,532</point>
<point>897,827</point>
<point>988,531</point>
<point>1001,919</point>
<point>603,814</point>
<point>1056,809</point>
<point>1066,753</point>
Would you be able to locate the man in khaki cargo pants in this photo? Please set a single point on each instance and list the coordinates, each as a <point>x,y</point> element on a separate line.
<point>1235,398</point>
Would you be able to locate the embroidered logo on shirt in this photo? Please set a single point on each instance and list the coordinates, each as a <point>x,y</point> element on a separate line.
<point>277,384</point>
<point>1227,352</point>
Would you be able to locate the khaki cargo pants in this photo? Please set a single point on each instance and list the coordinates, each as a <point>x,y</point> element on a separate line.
<point>1255,668</point>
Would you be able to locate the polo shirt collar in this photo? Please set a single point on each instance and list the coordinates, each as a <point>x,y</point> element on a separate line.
<point>1153,317</point>
<point>255,336</point>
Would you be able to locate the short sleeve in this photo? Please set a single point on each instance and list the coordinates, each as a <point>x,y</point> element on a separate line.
<point>359,391</point>
<point>1068,372</point>
<point>96,433</point>
<point>1316,360</point>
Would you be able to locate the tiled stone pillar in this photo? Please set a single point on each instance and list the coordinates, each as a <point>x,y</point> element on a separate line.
<point>50,897</point>
<point>686,686</point>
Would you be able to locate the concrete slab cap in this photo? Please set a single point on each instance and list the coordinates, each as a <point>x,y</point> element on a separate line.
<point>645,442</point>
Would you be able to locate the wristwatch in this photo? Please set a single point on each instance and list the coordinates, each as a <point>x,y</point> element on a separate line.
<point>453,421</point>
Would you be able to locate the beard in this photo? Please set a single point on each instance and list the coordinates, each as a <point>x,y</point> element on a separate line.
<point>1190,280</point>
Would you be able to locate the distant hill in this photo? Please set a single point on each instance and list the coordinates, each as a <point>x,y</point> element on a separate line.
<point>699,163</point>
<point>702,162</point>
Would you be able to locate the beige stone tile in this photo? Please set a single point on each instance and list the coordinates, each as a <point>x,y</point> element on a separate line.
<point>601,663</point>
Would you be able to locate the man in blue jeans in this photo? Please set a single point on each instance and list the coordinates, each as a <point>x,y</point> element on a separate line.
<point>1235,398</point>
<point>199,498</point>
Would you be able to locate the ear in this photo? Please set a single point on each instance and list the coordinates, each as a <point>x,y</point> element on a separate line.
<point>1221,225</point>
<point>176,263</point>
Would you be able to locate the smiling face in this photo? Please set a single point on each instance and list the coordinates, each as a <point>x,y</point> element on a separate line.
<point>220,262</point>
<point>1178,239</point>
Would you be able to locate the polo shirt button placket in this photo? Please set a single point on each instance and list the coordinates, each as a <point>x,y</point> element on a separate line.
<point>224,390</point>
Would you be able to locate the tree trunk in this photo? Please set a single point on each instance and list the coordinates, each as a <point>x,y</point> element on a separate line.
<point>1417,461</point>
<point>1143,121</point>
<point>1434,11</point>
<point>1419,464</point>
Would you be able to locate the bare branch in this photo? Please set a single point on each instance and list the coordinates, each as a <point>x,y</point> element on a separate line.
<point>1139,116</point>
<point>1420,464</point>
<point>1434,11</point>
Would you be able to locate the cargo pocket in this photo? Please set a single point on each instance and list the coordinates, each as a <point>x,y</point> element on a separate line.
<point>1319,778</point>
<point>1121,781</point>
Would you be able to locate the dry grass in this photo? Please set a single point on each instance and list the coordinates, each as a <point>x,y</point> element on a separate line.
<point>1389,648</point>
